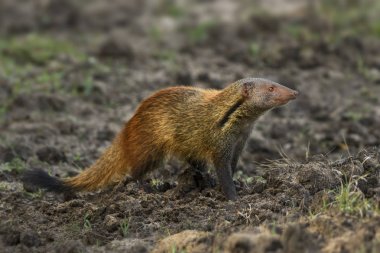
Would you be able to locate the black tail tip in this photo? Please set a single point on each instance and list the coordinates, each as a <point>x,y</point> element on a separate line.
<point>35,179</point>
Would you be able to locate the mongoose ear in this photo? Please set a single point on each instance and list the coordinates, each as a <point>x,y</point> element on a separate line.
<point>246,92</point>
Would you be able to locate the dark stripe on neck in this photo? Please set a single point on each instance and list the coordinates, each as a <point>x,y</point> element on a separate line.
<point>230,111</point>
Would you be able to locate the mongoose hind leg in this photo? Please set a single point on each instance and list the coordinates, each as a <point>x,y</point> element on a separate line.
<point>200,168</point>
<point>139,170</point>
<point>197,165</point>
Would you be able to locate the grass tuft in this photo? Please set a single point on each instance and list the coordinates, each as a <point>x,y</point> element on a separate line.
<point>350,199</point>
<point>175,249</point>
<point>351,17</point>
<point>86,222</point>
<point>200,32</point>
<point>36,49</point>
<point>124,226</point>
<point>16,165</point>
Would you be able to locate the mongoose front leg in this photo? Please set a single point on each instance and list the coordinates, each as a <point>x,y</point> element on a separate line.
<point>237,152</point>
<point>222,165</point>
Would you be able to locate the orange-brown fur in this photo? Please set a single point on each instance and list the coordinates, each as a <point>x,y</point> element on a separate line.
<point>150,136</point>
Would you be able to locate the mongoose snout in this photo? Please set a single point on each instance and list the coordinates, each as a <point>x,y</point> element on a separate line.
<point>294,94</point>
<point>284,95</point>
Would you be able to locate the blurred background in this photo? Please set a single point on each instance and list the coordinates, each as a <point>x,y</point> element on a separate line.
<point>71,72</point>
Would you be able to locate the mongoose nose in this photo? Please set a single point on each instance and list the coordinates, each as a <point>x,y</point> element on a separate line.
<point>295,93</point>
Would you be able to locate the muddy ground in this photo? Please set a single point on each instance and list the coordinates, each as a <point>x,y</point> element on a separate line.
<point>71,72</point>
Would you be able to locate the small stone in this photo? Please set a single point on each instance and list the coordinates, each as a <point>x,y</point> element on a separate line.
<point>111,223</point>
<point>117,45</point>
<point>30,239</point>
<point>12,238</point>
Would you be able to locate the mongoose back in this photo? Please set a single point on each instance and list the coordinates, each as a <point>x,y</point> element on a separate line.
<point>204,127</point>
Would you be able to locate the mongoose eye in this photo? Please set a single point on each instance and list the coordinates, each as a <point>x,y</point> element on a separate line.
<point>271,88</point>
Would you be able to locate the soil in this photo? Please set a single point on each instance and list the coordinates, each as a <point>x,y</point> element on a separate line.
<point>61,110</point>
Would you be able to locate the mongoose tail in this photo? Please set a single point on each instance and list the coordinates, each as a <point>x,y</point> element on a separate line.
<point>103,172</point>
<point>203,127</point>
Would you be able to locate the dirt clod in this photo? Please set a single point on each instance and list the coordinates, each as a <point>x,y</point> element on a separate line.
<point>128,245</point>
<point>30,239</point>
<point>70,246</point>
<point>250,243</point>
<point>297,239</point>
<point>11,238</point>
<point>117,45</point>
<point>21,151</point>
<point>188,240</point>
<point>51,155</point>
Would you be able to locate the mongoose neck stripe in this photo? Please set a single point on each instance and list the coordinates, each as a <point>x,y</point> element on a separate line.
<point>230,111</point>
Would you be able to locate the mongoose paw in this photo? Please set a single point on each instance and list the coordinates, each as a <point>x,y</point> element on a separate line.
<point>231,195</point>
<point>232,198</point>
<point>238,185</point>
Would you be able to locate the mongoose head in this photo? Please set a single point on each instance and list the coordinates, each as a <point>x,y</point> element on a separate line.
<point>263,94</point>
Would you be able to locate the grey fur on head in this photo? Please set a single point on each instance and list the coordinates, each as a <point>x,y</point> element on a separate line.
<point>254,80</point>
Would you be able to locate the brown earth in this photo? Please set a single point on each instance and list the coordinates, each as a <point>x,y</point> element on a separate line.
<point>60,109</point>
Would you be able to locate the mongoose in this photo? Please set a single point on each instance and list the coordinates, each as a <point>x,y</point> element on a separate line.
<point>204,127</point>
